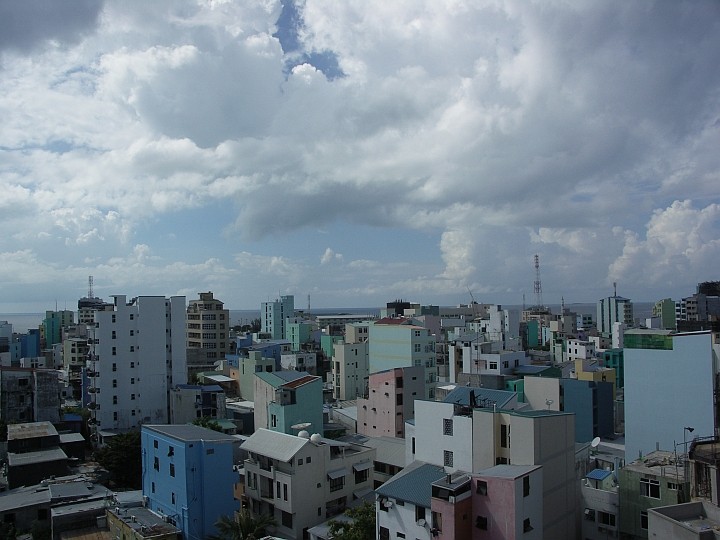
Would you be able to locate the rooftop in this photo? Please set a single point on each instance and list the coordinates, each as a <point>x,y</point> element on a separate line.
<point>413,484</point>
<point>40,456</point>
<point>30,430</point>
<point>480,397</point>
<point>188,432</point>
<point>508,471</point>
<point>659,463</point>
<point>274,445</point>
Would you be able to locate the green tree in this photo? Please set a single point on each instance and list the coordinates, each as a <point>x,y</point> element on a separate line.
<point>361,526</point>
<point>122,457</point>
<point>209,423</point>
<point>243,526</point>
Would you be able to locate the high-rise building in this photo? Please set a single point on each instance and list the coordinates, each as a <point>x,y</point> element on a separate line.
<point>611,310</point>
<point>53,324</point>
<point>137,354</point>
<point>273,316</point>
<point>208,331</point>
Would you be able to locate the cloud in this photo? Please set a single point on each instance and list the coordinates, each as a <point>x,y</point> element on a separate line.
<point>489,130</point>
<point>680,243</point>
<point>28,24</point>
<point>330,256</point>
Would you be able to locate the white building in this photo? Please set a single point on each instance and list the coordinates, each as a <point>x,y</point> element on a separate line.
<point>349,370</point>
<point>611,310</point>
<point>302,481</point>
<point>473,439</point>
<point>137,354</point>
<point>299,361</point>
<point>578,349</point>
<point>273,316</point>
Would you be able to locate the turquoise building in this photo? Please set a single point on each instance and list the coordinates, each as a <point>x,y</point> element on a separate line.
<point>284,399</point>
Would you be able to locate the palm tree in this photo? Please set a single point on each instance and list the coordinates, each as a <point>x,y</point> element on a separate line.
<point>243,526</point>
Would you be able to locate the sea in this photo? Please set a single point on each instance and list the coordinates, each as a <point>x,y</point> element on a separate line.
<point>22,322</point>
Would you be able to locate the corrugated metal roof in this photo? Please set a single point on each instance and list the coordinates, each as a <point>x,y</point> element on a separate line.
<point>413,484</point>
<point>598,474</point>
<point>274,445</point>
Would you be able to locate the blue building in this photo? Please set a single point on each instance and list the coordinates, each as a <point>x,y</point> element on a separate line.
<point>30,344</point>
<point>592,403</point>
<point>188,476</point>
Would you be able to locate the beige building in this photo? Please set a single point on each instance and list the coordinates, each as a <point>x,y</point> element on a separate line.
<point>208,330</point>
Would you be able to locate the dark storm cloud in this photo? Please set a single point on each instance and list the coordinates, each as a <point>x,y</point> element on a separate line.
<point>26,24</point>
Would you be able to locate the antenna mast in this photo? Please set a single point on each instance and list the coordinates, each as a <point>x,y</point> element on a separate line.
<point>90,287</point>
<point>538,284</point>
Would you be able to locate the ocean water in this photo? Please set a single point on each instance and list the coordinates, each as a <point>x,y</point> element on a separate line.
<point>23,321</point>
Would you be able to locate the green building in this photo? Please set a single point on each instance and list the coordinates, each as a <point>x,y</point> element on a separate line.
<point>665,309</point>
<point>614,358</point>
<point>655,480</point>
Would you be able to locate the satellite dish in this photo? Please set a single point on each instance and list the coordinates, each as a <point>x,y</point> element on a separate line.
<point>595,442</point>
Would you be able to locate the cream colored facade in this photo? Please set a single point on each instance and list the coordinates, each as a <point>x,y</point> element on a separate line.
<point>208,327</point>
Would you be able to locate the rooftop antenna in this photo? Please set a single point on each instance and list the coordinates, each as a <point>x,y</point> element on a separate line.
<point>523,301</point>
<point>562,305</point>
<point>91,294</point>
<point>614,288</point>
<point>538,284</point>
<point>308,303</point>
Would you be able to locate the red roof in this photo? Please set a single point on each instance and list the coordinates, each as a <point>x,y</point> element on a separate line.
<point>393,320</point>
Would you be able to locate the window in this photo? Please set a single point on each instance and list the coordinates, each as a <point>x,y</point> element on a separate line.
<point>526,525</point>
<point>114,400</point>
<point>308,459</point>
<point>361,476</point>
<point>400,535</point>
<point>413,445</point>
<point>114,334</point>
<point>287,520</point>
<point>300,461</point>
<point>606,518</point>
<point>132,348</point>
<point>153,487</point>
<point>171,451</point>
<point>481,487</point>
<point>384,533</point>
<point>447,426</point>
<point>650,488</point>
<point>114,351</point>
<point>672,485</point>
<point>273,420</point>
<point>419,512</point>
<point>115,416</point>
<point>481,522</point>
<point>172,470</point>
<point>504,436</point>
<point>132,396</point>
<point>398,399</point>
<point>132,413</point>
<point>285,492</point>
<point>114,368</point>
<point>114,383</point>
<point>132,364</point>
<point>172,497</point>
<point>156,464</point>
<point>643,520</point>
<point>493,365</point>
<point>337,483</point>
<point>589,514</point>
<point>418,347</point>
<point>447,458</point>
<point>526,486</point>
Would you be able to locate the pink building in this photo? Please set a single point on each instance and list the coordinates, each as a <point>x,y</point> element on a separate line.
<point>390,402</point>
<point>504,502</point>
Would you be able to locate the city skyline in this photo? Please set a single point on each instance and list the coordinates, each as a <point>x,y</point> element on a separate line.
<point>358,153</point>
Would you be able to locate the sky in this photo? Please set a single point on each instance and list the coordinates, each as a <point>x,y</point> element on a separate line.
<point>358,152</point>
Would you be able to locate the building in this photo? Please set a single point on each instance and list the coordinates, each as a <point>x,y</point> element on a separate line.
<point>137,355</point>
<point>52,325</point>
<point>287,399</point>
<point>188,402</point>
<point>139,523</point>
<point>34,454</point>
<point>273,316</point>
<point>29,395</point>
<point>661,371</point>
<point>396,343</point>
<point>613,309</point>
<point>600,505</point>
<point>665,310</point>
<point>403,504</point>
<point>350,368</point>
<point>390,401</point>
<point>473,439</point>
<point>75,355</point>
<point>248,366</point>
<point>208,330</point>
<point>656,480</point>
<point>189,476</point>
<point>303,480</point>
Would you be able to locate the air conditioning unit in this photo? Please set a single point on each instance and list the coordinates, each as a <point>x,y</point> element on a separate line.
<point>145,500</point>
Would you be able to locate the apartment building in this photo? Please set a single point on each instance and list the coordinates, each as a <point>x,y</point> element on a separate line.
<point>303,480</point>
<point>137,353</point>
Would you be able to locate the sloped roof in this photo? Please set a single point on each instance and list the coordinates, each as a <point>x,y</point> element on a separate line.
<point>598,474</point>
<point>413,484</point>
<point>274,445</point>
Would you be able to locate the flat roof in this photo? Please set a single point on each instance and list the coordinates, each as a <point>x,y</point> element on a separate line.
<point>508,471</point>
<point>188,432</point>
<point>40,456</point>
<point>30,430</point>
